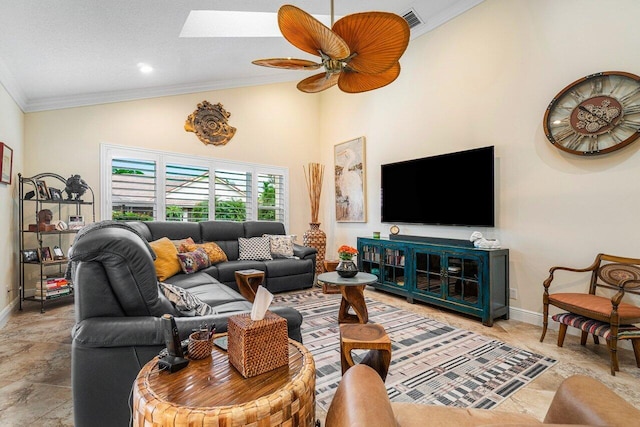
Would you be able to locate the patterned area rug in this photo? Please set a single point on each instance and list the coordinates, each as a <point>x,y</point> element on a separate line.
<point>431,362</point>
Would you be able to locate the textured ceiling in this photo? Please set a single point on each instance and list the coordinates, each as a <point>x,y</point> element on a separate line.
<point>56,54</point>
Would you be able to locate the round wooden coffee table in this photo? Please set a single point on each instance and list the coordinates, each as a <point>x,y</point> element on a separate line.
<point>352,290</point>
<point>212,392</point>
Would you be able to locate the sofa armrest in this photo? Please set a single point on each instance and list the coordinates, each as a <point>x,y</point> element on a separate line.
<point>131,331</point>
<point>303,252</point>
<point>360,400</point>
<point>584,400</point>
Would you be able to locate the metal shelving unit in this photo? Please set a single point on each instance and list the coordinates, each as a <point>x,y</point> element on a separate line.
<point>54,268</point>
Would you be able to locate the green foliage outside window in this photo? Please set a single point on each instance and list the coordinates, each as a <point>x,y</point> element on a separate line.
<point>267,198</point>
<point>174,213</point>
<point>130,216</point>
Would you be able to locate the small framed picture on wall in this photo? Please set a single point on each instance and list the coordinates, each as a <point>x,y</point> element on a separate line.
<point>6,163</point>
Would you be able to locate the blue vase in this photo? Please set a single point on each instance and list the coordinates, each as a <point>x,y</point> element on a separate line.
<point>346,268</point>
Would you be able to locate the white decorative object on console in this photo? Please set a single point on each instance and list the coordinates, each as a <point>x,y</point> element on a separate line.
<point>480,242</point>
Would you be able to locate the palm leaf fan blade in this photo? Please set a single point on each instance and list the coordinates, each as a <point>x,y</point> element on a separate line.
<point>352,82</point>
<point>378,38</point>
<point>288,63</point>
<point>318,82</point>
<point>310,35</point>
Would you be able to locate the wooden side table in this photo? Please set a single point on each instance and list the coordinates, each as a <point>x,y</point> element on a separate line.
<point>370,336</point>
<point>352,290</point>
<point>248,282</point>
<point>212,392</point>
<point>330,265</point>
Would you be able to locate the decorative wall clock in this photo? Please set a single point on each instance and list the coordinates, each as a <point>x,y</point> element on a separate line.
<point>596,114</point>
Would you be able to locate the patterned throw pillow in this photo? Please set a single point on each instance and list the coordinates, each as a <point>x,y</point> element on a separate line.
<point>215,252</point>
<point>184,301</point>
<point>194,261</point>
<point>254,248</point>
<point>178,243</point>
<point>281,245</point>
<point>166,261</point>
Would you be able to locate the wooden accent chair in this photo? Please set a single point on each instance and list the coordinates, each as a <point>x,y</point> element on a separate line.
<point>613,276</point>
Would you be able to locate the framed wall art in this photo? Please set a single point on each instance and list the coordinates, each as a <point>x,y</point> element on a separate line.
<point>349,172</point>
<point>6,163</point>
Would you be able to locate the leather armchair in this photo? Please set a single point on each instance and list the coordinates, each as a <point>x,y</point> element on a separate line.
<point>361,400</point>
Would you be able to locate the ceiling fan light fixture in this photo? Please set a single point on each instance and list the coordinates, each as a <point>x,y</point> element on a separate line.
<point>360,53</point>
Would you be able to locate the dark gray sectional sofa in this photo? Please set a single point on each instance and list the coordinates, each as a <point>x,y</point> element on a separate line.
<point>281,274</point>
<point>118,303</point>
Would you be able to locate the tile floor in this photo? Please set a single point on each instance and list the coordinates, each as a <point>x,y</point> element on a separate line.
<point>35,385</point>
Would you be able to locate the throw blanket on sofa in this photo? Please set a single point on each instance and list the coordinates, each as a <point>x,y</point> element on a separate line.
<point>100,225</point>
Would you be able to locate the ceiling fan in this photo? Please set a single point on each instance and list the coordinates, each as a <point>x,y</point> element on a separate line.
<point>359,53</point>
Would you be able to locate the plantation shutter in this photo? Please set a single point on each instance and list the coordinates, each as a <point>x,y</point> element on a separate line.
<point>186,193</point>
<point>233,196</point>
<point>271,197</point>
<point>133,186</point>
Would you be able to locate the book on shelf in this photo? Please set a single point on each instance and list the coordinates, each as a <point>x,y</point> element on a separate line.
<point>49,292</point>
<point>52,283</point>
<point>52,295</point>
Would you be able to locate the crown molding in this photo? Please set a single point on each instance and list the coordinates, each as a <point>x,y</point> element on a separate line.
<point>85,100</point>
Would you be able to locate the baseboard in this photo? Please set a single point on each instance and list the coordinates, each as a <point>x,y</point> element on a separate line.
<point>534,318</point>
<point>6,312</point>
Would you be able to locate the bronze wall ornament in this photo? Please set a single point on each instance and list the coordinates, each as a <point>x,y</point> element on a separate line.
<point>210,124</point>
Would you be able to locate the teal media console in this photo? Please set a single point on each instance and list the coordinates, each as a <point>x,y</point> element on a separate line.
<point>444,272</point>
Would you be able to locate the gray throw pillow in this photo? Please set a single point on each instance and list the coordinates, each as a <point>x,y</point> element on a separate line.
<point>254,248</point>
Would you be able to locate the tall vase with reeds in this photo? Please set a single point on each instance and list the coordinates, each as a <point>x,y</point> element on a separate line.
<point>314,236</point>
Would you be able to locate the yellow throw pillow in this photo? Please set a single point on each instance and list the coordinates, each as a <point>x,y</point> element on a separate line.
<point>167,263</point>
<point>215,252</point>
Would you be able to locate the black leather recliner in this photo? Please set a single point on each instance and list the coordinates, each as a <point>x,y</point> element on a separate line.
<point>118,306</point>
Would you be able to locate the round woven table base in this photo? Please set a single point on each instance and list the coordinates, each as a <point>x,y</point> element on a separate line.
<point>210,392</point>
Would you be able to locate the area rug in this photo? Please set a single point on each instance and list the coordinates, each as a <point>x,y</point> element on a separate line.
<point>431,362</point>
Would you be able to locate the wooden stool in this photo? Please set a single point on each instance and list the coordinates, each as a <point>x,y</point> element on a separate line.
<point>368,336</point>
<point>248,282</point>
<point>330,265</point>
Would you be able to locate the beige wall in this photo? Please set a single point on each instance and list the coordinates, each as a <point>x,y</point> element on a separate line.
<point>484,78</point>
<point>12,134</point>
<point>276,125</point>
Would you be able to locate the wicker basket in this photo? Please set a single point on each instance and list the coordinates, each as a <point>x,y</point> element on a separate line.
<point>256,347</point>
<point>199,349</point>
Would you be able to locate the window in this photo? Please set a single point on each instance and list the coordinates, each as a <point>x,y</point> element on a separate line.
<point>150,185</point>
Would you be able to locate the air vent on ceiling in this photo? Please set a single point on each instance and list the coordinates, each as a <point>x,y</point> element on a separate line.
<point>412,18</point>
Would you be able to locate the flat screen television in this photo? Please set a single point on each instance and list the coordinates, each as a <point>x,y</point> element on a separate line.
<point>448,189</point>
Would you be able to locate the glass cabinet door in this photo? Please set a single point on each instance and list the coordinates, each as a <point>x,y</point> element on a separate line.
<point>370,259</point>
<point>463,279</point>
<point>429,273</point>
<point>394,266</point>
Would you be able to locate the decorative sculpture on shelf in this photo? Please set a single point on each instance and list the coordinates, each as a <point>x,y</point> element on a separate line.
<point>480,242</point>
<point>210,124</point>
<point>75,188</point>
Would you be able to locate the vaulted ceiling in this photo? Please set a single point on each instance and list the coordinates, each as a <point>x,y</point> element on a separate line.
<point>57,54</point>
